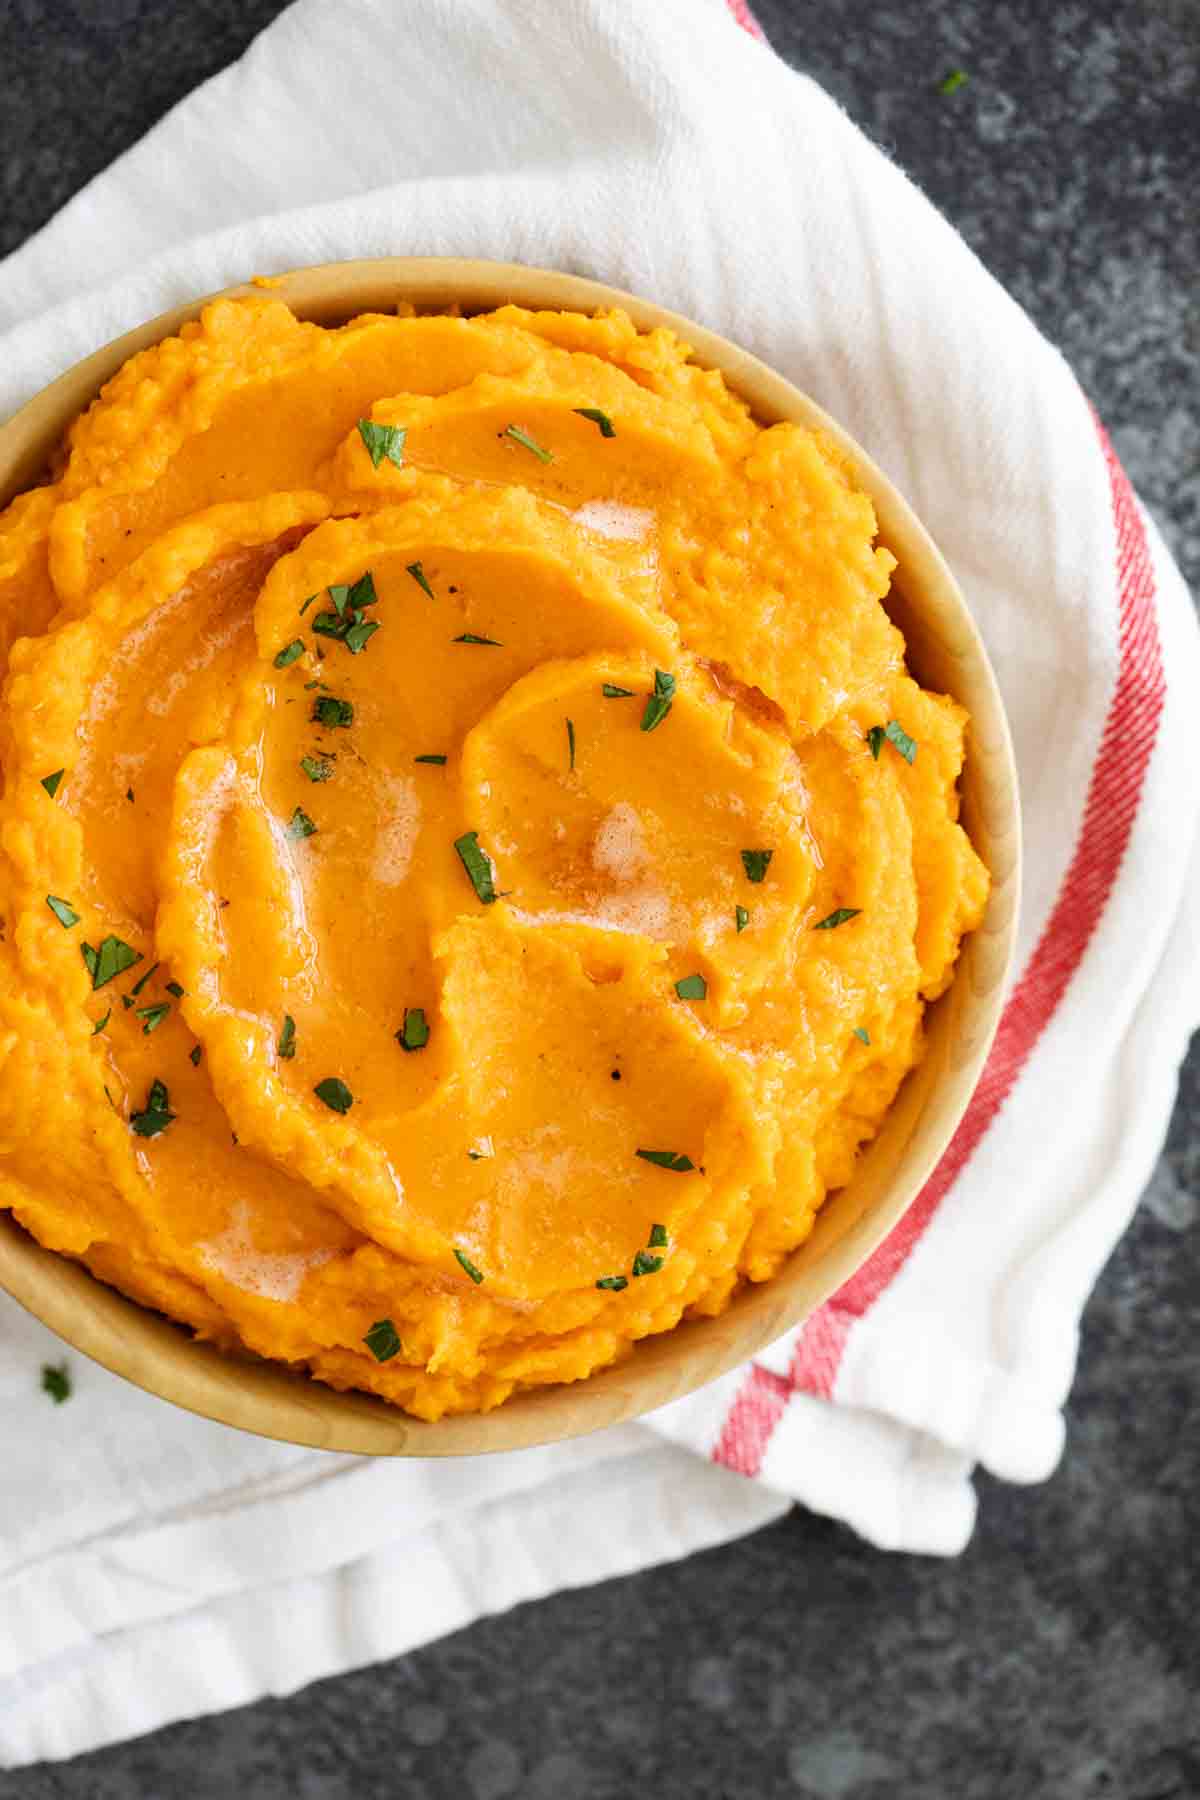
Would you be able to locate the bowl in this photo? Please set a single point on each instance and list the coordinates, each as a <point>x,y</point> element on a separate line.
<point>945,652</point>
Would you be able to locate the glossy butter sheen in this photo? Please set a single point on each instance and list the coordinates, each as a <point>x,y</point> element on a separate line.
<point>267,828</point>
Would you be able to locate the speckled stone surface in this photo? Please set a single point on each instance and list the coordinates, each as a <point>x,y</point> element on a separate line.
<point>1060,1657</point>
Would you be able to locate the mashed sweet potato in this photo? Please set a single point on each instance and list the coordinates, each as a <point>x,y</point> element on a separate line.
<point>472,858</point>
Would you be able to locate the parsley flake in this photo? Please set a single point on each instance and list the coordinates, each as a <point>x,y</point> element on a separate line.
<point>893,733</point>
<point>50,782</point>
<point>287,656</point>
<point>63,911</point>
<point>571,745</point>
<point>839,916</point>
<point>466,1263</point>
<point>419,576</point>
<point>383,440</point>
<point>307,604</point>
<point>658,1237</point>
<point>756,863</point>
<point>98,1027</point>
<point>430,759</point>
<point>478,865</point>
<point>668,1159</point>
<point>612,692</point>
<point>527,443</point>
<point>383,1340</point>
<point>614,1283</point>
<point>360,634</point>
<point>645,1264</point>
<point>950,83</point>
<point>153,1016</point>
<point>335,1094</point>
<point>659,703</point>
<point>607,428</point>
<point>317,768</point>
<point>286,1047</point>
<point>56,1381</point>
<point>414,1032</point>
<point>471,637</point>
<point>140,984</point>
<point>194,1055</point>
<point>112,958</point>
<point>300,825</point>
<point>156,1115</point>
<point>741,917</point>
<point>173,987</point>
<point>332,712</point>
<point>692,987</point>
<point>862,1035</point>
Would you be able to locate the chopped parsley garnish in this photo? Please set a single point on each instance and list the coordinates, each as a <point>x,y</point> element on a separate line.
<point>471,637</point>
<point>527,443</point>
<point>153,1016</point>
<point>307,604</point>
<point>893,733</point>
<point>194,1055</point>
<point>300,825</point>
<point>756,863</point>
<point>141,982</point>
<point>430,759</point>
<point>363,592</point>
<point>658,1237</point>
<point>645,1264</point>
<point>839,916</point>
<point>668,1159</point>
<point>612,692</point>
<point>383,440</point>
<point>286,1047</point>
<point>359,635</point>
<point>112,958</point>
<point>692,987</point>
<point>50,782</point>
<point>129,795</point>
<point>482,1149</point>
<point>383,1340</point>
<point>156,1115</point>
<point>98,1027</point>
<point>56,1382</point>
<point>614,1283</point>
<point>287,656</point>
<point>478,865</point>
<point>659,703</point>
<point>741,917</point>
<point>571,744</point>
<point>63,911</point>
<point>335,1094</point>
<point>466,1263</point>
<point>332,712</point>
<point>329,624</point>
<point>316,768</point>
<point>419,576</point>
<point>414,1032</point>
<point>173,987</point>
<point>950,83</point>
<point>862,1035</point>
<point>607,428</point>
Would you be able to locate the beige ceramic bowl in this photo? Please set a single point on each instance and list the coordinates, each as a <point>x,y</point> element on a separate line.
<point>945,653</point>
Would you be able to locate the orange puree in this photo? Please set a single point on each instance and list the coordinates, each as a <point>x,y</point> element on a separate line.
<point>473,857</point>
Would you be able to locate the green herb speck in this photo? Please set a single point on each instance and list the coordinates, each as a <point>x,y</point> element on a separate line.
<point>466,1263</point>
<point>383,440</point>
<point>383,1340</point>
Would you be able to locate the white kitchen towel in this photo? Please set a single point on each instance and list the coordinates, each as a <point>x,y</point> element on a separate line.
<point>154,1566</point>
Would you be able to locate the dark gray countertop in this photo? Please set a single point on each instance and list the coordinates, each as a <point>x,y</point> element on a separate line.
<point>1060,1656</point>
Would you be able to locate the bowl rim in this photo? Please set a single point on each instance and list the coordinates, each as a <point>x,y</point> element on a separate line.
<point>276,1401</point>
